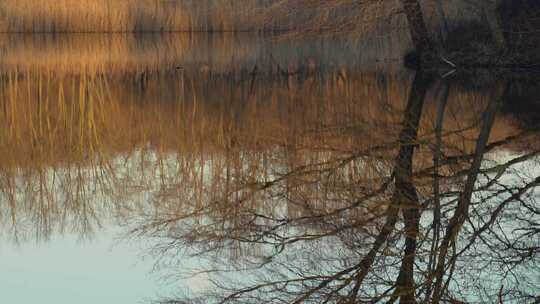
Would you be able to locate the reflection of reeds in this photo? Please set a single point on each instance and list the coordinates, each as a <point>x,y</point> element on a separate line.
<point>126,15</point>
<point>361,17</point>
<point>75,145</point>
<point>66,118</point>
<point>224,54</point>
<point>141,15</point>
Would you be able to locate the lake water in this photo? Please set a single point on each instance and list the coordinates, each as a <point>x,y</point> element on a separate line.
<point>137,168</point>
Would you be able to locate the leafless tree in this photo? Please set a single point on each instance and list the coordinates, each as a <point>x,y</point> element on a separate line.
<point>414,231</point>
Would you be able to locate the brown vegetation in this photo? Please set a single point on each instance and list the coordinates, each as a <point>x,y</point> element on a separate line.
<point>65,127</point>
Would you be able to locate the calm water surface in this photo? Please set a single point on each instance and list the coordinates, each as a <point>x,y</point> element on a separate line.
<point>251,169</point>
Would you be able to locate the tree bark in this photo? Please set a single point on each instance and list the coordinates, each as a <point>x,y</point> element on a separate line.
<point>495,22</point>
<point>417,27</point>
<point>462,209</point>
<point>405,189</point>
<point>404,199</point>
<point>437,155</point>
<point>442,16</point>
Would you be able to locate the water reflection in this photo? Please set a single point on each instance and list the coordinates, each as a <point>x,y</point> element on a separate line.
<point>289,180</point>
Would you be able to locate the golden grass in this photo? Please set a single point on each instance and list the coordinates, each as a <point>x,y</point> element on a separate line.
<point>212,15</point>
<point>123,16</point>
<point>138,15</point>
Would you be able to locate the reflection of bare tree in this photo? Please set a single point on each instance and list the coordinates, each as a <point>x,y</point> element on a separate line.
<point>65,164</point>
<point>462,208</point>
<point>355,236</point>
<point>340,187</point>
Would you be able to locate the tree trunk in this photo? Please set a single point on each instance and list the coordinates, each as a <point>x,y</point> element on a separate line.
<point>405,189</point>
<point>437,155</point>
<point>462,209</point>
<point>404,199</point>
<point>442,16</point>
<point>495,22</point>
<point>417,27</point>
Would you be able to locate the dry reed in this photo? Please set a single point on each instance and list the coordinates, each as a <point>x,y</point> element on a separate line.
<point>374,16</point>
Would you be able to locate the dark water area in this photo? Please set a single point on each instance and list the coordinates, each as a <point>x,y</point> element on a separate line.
<point>257,169</point>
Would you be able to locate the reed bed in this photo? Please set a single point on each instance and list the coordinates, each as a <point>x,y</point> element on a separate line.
<point>362,17</point>
<point>141,16</point>
<point>125,15</point>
